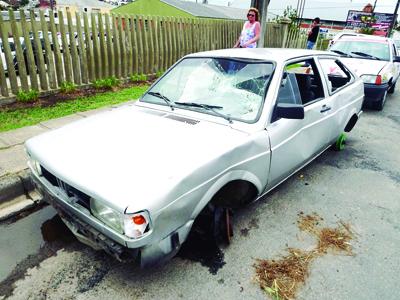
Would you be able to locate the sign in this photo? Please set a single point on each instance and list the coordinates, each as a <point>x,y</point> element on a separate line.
<point>379,21</point>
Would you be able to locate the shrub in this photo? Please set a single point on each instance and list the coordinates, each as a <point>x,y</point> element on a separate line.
<point>107,83</point>
<point>67,87</point>
<point>138,77</point>
<point>27,96</point>
<point>159,74</point>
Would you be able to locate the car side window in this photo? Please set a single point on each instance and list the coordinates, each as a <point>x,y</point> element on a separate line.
<point>289,90</point>
<point>301,83</point>
<point>335,74</point>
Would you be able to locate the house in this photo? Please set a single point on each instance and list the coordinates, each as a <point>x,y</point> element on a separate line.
<point>182,9</point>
<point>78,6</point>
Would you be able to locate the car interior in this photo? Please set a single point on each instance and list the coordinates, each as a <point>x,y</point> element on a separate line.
<point>301,83</point>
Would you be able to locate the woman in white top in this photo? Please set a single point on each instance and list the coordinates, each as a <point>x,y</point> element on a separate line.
<point>250,32</point>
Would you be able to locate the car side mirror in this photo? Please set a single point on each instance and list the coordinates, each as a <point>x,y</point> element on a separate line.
<point>396,59</point>
<point>289,111</point>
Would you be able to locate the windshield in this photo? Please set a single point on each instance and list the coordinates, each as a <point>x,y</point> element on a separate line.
<point>372,48</point>
<point>223,87</point>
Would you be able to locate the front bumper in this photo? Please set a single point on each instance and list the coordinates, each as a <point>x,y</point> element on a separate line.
<point>97,235</point>
<point>83,225</point>
<point>374,93</point>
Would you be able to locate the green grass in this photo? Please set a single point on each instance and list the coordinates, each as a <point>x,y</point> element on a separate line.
<point>30,116</point>
<point>151,7</point>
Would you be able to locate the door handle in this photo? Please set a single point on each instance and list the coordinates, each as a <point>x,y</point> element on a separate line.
<point>325,108</point>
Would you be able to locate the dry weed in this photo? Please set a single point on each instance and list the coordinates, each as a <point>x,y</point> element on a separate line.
<point>282,278</point>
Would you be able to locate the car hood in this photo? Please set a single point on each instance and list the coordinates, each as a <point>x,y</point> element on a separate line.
<point>364,66</point>
<point>131,155</point>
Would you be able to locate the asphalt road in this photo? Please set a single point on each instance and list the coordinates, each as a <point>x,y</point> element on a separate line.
<point>359,185</point>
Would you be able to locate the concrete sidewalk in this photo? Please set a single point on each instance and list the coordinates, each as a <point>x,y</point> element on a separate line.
<point>16,190</point>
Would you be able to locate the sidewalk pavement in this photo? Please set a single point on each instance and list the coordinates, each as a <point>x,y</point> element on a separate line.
<point>17,193</point>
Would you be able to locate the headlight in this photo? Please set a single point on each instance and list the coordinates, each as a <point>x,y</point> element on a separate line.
<point>374,79</point>
<point>132,225</point>
<point>106,215</point>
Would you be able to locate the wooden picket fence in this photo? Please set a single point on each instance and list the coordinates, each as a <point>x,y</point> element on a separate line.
<point>85,47</point>
<point>297,38</point>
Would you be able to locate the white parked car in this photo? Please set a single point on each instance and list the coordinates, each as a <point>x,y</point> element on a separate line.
<point>375,59</point>
<point>342,34</point>
<point>218,130</point>
<point>3,54</point>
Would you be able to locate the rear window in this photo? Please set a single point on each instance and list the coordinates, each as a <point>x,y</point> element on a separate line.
<point>368,49</point>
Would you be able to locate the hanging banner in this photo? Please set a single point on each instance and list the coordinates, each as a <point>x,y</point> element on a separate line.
<point>379,21</point>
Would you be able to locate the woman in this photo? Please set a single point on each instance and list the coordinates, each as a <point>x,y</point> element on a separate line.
<point>250,32</point>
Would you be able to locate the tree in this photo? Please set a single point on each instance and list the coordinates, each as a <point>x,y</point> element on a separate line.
<point>288,13</point>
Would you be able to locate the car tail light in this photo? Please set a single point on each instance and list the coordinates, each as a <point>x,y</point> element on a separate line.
<point>378,80</point>
<point>374,79</point>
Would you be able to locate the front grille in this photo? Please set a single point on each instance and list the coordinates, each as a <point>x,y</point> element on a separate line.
<point>74,194</point>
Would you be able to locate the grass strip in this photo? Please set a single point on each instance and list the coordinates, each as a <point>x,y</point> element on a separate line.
<point>31,116</point>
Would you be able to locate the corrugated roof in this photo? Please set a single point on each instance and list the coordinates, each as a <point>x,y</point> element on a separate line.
<point>208,11</point>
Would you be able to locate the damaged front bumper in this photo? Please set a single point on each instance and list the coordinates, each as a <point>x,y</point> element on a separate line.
<point>97,235</point>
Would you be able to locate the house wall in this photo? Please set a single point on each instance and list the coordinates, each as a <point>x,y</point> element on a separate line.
<point>73,9</point>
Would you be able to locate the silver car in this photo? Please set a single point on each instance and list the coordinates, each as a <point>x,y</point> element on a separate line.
<point>218,130</point>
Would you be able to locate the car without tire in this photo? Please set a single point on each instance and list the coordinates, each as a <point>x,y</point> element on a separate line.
<point>218,130</point>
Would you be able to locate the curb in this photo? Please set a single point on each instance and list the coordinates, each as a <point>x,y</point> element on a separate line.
<point>17,194</point>
<point>15,185</point>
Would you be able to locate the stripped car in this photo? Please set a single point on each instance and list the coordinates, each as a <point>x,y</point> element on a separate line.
<point>218,130</point>
<point>375,59</point>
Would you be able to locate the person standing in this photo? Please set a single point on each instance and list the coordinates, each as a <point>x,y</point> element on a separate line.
<point>250,32</point>
<point>313,33</point>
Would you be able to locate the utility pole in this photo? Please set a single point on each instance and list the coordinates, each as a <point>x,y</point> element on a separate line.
<point>373,8</point>
<point>394,18</point>
<point>262,6</point>
<point>300,12</point>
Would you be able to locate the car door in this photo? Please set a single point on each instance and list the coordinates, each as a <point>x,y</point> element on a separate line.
<point>339,95</point>
<point>295,142</point>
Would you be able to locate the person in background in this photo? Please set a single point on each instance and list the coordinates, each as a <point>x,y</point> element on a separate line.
<point>313,33</point>
<point>250,32</point>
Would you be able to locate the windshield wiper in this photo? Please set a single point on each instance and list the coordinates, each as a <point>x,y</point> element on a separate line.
<point>365,55</point>
<point>341,53</point>
<point>165,98</point>
<point>207,107</point>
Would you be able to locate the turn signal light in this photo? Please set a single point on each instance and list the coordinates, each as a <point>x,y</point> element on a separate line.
<point>136,225</point>
<point>139,220</point>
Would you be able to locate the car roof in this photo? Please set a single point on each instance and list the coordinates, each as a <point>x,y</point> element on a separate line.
<point>267,54</point>
<point>351,33</point>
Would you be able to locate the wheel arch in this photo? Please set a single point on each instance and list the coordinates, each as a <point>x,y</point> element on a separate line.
<point>231,178</point>
<point>351,122</point>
